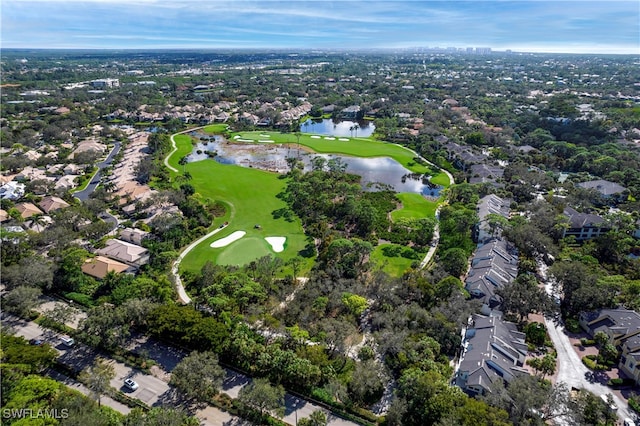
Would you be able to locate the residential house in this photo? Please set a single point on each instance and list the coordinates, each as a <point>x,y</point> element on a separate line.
<point>131,254</point>
<point>493,350</point>
<point>489,204</point>
<point>12,190</point>
<point>630,358</point>
<point>133,235</point>
<point>623,328</point>
<point>609,190</point>
<point>27,210</point>
<point>66,182</point>
<point>100,266</point>
<point>51,203</point>
<point>4,216</point>
<point>583,226</point>
<point>351,112</point>
<point>493,266</point>
<point>484,173</point>
<point>618,324</point>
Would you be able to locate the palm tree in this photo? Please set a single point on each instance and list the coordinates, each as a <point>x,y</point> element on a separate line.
<point>356,127</point>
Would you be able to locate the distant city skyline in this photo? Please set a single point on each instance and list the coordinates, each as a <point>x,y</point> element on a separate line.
<point>566,26</point>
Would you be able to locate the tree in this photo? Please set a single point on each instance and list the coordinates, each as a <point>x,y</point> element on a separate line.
<point>455,261</point>
<point>198,376</point>
<point>366,384</point>
<point>16,350</point>
<point>262,396</point>
<point>317,418</point>
<point>523,296</point>
<point>21,300</point>
<point>32,271</point>
<point>545,366</point>
<point>97,377</point>
<point>106,326</point>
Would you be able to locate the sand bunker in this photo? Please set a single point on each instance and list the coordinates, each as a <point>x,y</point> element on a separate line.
<point>329,138</point>
<point>265,141</point>
<point>265,136</point>
<point>277,243</point>
<point>222,242</point>
<point>344,139</point>
<point>315,137</point>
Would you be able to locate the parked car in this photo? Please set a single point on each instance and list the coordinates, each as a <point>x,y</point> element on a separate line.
<point>67,341</point>
<point>35,342</point>
<point>130,384</point>
<point>629,422</point>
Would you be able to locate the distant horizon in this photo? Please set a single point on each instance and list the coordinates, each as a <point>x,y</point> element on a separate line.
<point>427,49</point>
<point>523,26</point>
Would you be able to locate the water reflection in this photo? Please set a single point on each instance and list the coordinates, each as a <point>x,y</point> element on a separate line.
<point>273,157</point>
<point>328,126</point>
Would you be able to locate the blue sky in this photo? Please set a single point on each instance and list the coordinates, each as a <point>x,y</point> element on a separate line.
<point>596,26</point>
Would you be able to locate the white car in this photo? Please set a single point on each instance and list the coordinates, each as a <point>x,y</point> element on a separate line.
<point>131,384</point>
<point>629,422</point>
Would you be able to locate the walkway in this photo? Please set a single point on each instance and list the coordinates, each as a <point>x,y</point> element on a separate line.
<point>182,294</point>
<point>175,148</point>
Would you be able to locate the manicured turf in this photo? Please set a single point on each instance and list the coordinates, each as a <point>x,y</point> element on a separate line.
<point>358,147</point>
<point>216,128</point>
<point>244,251</point>
<point>251,193</point>
<point>414,206</point>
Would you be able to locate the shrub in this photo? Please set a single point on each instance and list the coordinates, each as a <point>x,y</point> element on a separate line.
<point>80,298</point>
<point>572,325</point>
<point>591,364</point>
<point>587,342</point>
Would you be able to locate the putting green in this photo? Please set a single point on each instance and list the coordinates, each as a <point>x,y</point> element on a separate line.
<point>244,251</point>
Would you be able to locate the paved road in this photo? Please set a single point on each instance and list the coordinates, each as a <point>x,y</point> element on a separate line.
<point>571,370</point>
<point>95,179</point>
<point>152,390</point>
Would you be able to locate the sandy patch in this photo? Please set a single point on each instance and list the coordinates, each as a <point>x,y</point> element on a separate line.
<point>329,138</point>
<point>315,137</point>
<point>236,137</point>
<point>245,140</point>
<point>265,141</point>
<point>344,139</point>
<point>265,136</point>
<point>277,243</point>
<point>222,242</point>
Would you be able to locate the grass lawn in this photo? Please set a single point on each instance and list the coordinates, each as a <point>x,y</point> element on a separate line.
<point>216,128</point>
<point>414,206</point>
<point>394,266</point>
<point>357,147</point>
<point>183,143</point>
<point>251,195</point>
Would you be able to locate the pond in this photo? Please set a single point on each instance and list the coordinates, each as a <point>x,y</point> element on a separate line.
<point>332,127</point>
<point>273,157</point>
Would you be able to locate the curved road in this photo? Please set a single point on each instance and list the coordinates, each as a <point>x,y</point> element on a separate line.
<point>95,179</point>
<point>571,370</point>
